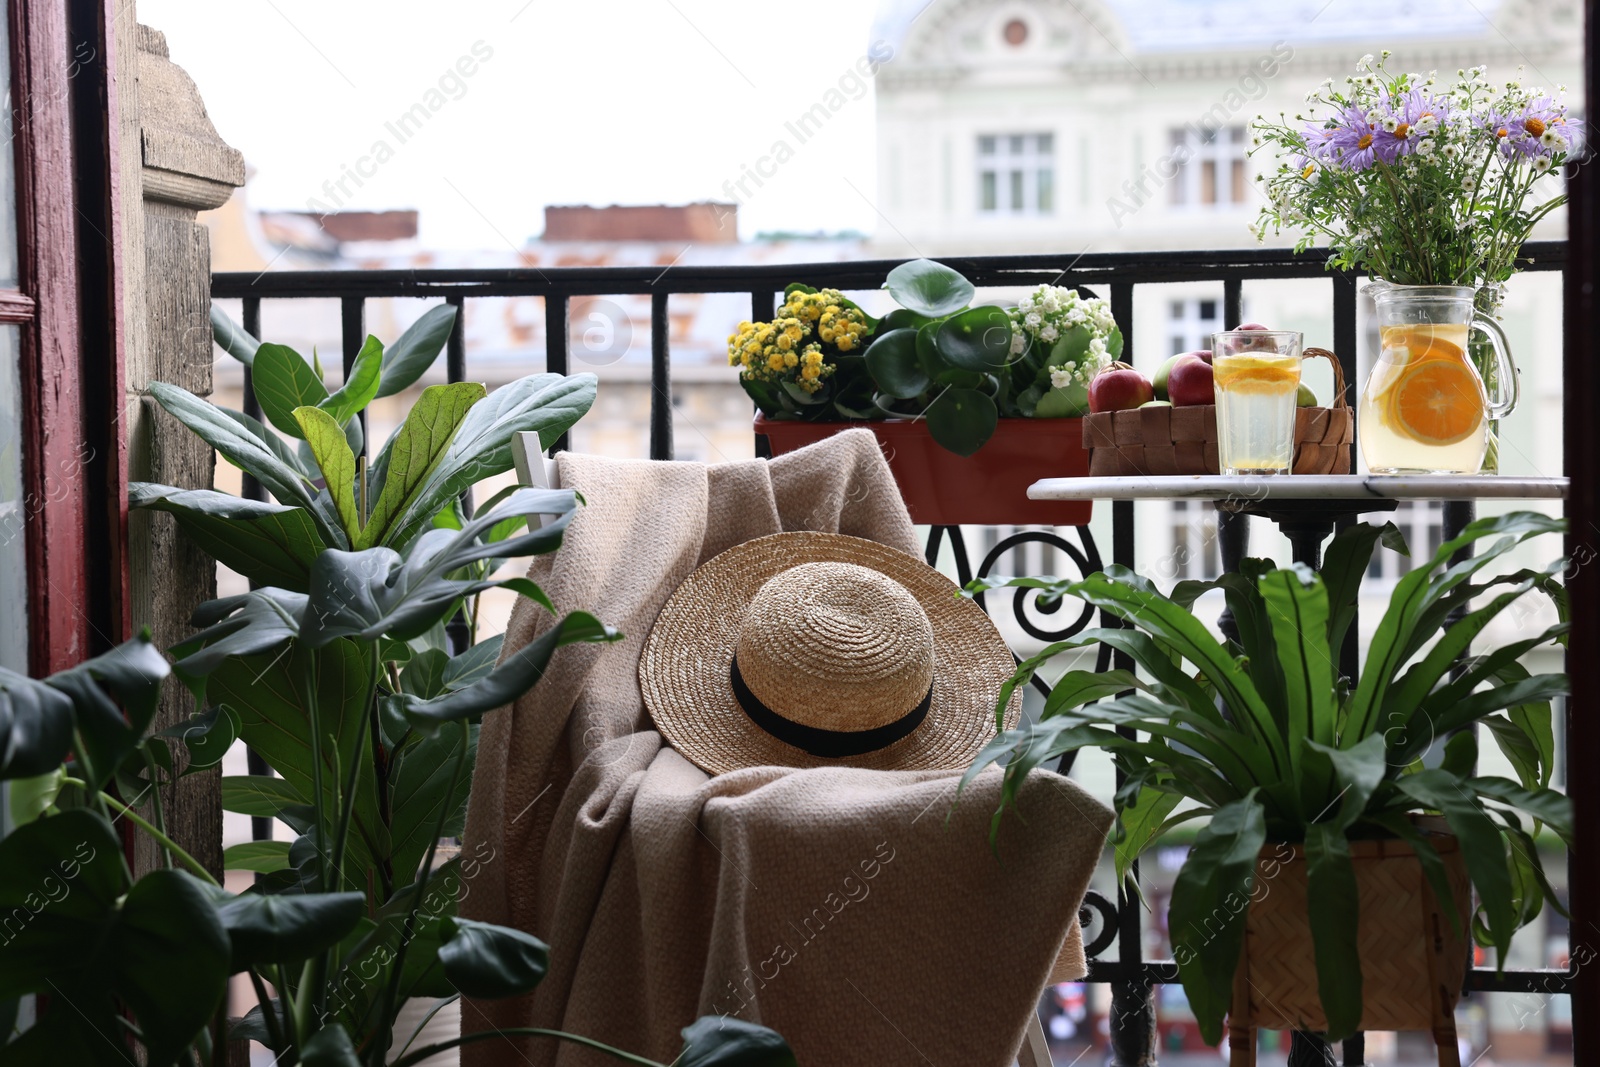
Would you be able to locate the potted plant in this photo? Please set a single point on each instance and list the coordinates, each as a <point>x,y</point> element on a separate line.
<point>1324,816</point>
<point>1431,190</point>
<point>971,404</point>
<point>354,916</point>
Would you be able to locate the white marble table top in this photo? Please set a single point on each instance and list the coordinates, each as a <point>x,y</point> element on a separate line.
<point>1300,487</point>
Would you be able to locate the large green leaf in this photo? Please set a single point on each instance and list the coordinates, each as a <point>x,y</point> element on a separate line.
<point>289,928</point>
<point>413,453</point>
<point>409,357</point>
<point>1344,565</point>
<point>63,877</point>
<point>262,857</point>
<point>1397,633</point>
<point>728,1041</point>
<point>251,454</point>
<point>36,724</point>
<point>484,960</point>
<point>379,591</point>
<point>269,693</point>
<point>1076,688</point>
<point>1481,846</point>
<point>548,404</point>
<point>1548,806</point>
<point>360,385</point>
<point>113,700</point>
<point>962,420</point>
<point>1137,824</point>
<point>330,1047</point>
<point>1331,903</point>
<point>283,381</point>
<point>978,339</point>
<point>420,787</point>
<point>167,916</point>
<point>259,795</point>
<point>239,625</point>
<point>338,465</point>
<point>515,675</point>
<point>929,288</point>
<point>1354,774</point>
<point>287,454</point>
<point>1210,900</point>
<point>232,337</point>
<point>893,364</point>
<point>271,544</point>
<point>1297,606</point>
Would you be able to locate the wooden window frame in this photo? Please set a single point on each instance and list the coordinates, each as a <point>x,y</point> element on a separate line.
<point>68,305</point>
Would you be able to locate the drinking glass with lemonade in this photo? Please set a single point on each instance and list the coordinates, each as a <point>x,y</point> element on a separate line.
<point>1257,376</point>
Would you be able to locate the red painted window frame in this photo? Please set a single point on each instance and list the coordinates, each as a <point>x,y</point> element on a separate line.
<point>64,117</point>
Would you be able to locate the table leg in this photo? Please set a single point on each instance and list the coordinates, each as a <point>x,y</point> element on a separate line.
<point>1233,544</point>
<point>1305,538</point>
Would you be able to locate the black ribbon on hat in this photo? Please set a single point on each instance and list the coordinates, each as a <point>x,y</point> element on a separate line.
<point>832,744</point>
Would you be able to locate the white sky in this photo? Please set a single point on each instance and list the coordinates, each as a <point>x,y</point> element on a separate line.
<point>583,101</point>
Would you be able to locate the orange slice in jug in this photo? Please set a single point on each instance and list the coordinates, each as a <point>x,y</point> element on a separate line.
<point>1437,401</point>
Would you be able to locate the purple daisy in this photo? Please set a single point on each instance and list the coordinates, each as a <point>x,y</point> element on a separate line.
<point>1418,114</point>
<point>1539,128</point>
<point>1352,142</point>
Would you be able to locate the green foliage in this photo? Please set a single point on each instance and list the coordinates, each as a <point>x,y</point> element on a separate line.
<point>336,676</point>
<point>1262,736</point>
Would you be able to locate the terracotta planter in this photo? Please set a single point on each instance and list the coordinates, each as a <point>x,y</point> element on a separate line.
<point>988,488</point>
<point>1412,957</point>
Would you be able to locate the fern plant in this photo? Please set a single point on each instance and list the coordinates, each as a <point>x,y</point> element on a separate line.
<point>1262,736</point>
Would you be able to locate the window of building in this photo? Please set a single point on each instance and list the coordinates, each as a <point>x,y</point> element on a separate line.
<point>1196,552</point>
<point>1422,523</point>
<point>1214,175</point>
<point>1190,324</point>
<point>1016,173</point>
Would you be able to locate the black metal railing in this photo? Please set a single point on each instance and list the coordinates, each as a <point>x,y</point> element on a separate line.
<point>1130,976</point>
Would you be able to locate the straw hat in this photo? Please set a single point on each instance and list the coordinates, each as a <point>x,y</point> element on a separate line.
<point>814,650</point>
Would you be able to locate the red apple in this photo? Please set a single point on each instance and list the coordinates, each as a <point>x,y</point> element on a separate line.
<point>1190,383</point>
<point>1251,326</point>
<point>1119,388</point>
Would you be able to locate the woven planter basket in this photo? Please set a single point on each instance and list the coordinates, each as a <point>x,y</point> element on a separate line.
<point>1412,958</point>
<point>1184,440</point>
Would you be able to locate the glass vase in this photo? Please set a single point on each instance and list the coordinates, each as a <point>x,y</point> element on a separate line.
<point>1425,408</point>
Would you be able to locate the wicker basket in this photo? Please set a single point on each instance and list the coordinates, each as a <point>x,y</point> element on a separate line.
<point>1412,957</point>
<point>1183,440</point>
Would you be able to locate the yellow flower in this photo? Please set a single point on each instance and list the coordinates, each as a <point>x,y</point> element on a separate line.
<point>785,342</point>
<point>790,360</point>
<point>813,358</point>
<point>845,343</point>
<point>810,373</point>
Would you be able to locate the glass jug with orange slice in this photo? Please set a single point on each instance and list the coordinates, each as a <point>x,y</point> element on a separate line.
<point>1425,409</point>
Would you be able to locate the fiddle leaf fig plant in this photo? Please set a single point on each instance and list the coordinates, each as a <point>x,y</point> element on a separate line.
<point>353,917</point>
<point>454,436</point>
<point>1262,737</point>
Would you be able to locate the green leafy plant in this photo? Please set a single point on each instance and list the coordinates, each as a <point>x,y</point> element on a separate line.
<point>1262,736</point>
<point>454,436</point>
<point>355,915</point>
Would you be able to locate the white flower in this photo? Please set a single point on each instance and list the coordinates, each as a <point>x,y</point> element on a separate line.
<point>1364,62</point>
<point>1049,333</point>
<point>1032,319</point>
<point>1451,151</point>
<point>1468,184</point>
<point>1060,377</point>
<point>1369,81</point>
<point>1541,164</point>
<point>1426,125</point>
<point>1097,349</point>
<point>1019,341</point>
<point>1390,124</point>
<point>1551,139</point>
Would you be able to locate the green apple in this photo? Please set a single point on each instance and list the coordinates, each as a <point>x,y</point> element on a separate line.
<point>1156,404</point>
<point>1305,398</point>
<point>1160,378</point>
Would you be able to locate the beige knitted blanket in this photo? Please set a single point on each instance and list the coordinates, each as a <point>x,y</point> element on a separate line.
<point>851,910</point>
